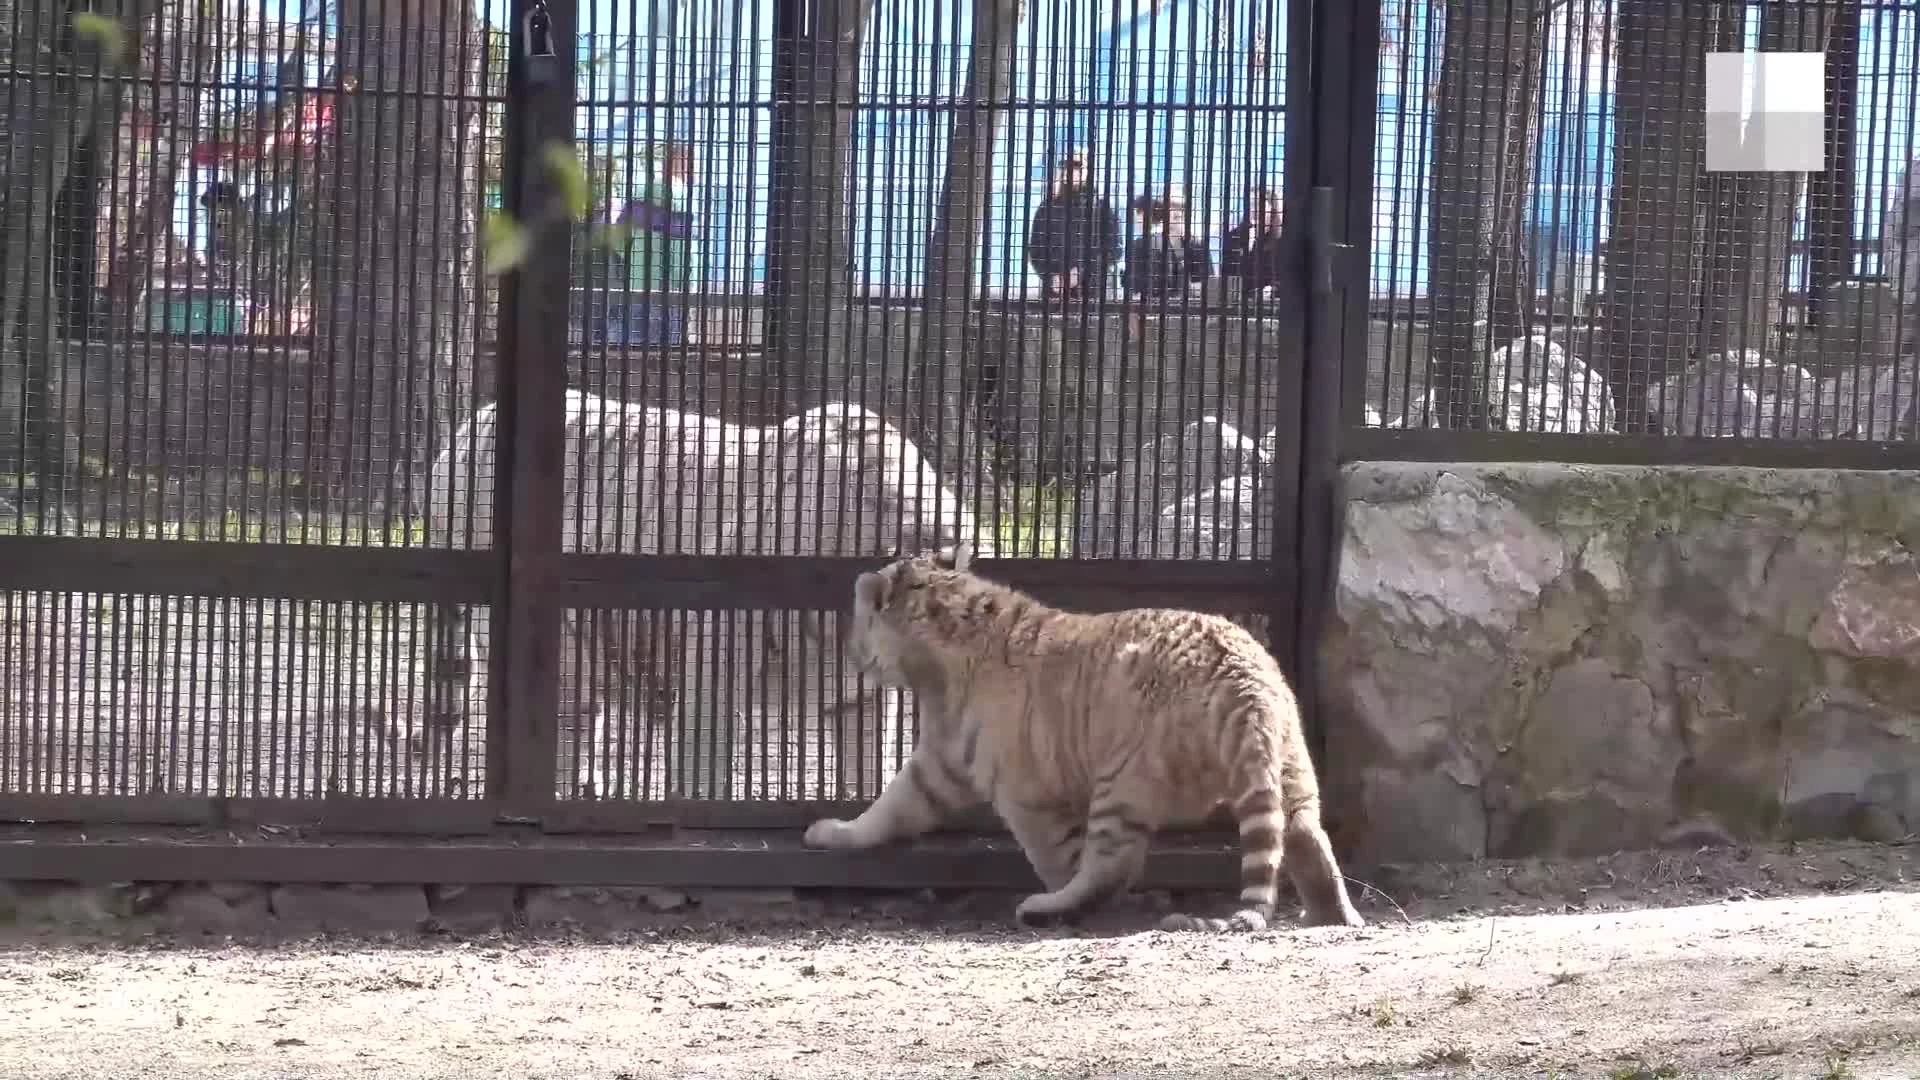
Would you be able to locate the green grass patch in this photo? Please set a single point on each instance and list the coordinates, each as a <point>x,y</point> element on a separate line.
<point>1036,522</point>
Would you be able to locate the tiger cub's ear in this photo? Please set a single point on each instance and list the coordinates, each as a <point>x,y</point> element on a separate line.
<point>870,591</point>
<point>957,557</point>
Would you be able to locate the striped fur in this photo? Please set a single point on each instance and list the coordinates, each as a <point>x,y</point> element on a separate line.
<point>1086,734</point>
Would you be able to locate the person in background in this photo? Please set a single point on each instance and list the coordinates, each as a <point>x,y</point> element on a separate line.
<point>1164,262</point>
<point>1252,250</point>
<point>659,253</point>
<point>1074,238</point>
<point>227,247</point>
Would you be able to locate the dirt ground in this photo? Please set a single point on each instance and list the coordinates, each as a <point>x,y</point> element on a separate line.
<point>1790,961</point>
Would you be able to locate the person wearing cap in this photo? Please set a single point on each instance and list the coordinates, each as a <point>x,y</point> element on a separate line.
<point>1074,237</point>
<point>1252,250</point>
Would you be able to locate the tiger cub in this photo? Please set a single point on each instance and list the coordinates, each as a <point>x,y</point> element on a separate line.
<point>1086,733</point>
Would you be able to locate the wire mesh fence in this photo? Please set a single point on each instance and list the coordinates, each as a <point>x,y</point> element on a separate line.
<point>776,711</point>
<point>846,280</point>
<point>1014,253</point>
<point>843,279</point>
<point>241,303</point>
<point>128,695</point>
<point>964,280</point>
<point>243,290</point>
<point>1552,253</point>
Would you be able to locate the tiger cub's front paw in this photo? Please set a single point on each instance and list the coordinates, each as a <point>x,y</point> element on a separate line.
<point>829,833</point>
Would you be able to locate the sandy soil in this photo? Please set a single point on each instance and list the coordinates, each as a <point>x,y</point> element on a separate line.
<point>1799,962</point>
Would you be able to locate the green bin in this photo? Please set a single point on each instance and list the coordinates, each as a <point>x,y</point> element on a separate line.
<point>193,313</point>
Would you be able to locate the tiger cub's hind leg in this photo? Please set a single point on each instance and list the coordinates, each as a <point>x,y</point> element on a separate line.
<point>1308,853</point>
<point>1315,873</point>
<point>1261,854</point>
<point>1280,828</point>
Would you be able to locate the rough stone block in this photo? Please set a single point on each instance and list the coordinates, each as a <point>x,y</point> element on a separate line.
<point>68,905</point>
<point>1536,384</point>
<point>351,908</point>
<point>474,909</point>
<point>1711,398</point>
<point>599,908</point>
<point>1569,659</point>
<point>745,903</point>
<point>1434,813</point>
<point>223,908</point>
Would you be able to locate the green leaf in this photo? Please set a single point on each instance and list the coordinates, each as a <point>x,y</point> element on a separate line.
<point>503,242</point>
<point>106,34</point>
<point>570,177</point>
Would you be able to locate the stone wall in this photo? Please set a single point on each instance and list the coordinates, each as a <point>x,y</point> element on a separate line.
<point>1566,659</point>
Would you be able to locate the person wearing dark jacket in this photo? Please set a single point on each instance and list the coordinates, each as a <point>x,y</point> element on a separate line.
<point>1252,251</point>
<point>1166,261</point>
<point>1075,236</point>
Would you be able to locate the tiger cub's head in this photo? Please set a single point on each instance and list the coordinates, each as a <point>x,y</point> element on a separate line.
<point>886,637</point>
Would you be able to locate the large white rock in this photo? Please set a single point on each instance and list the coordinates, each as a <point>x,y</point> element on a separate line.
<point>1120,514</point>
<point>836,480</point>
<point>1234,519</point>
<point>1747,394</point>
<point>1533,384</point>
<point>1709,398</point>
